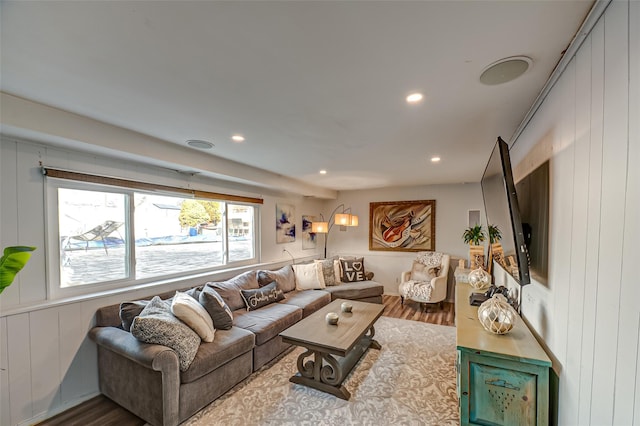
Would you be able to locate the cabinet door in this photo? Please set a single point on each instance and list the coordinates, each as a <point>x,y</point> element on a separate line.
<point>501,396</point>
<point>497,390</point>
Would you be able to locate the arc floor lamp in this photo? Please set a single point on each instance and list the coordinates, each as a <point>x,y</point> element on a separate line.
<point>343,219</point>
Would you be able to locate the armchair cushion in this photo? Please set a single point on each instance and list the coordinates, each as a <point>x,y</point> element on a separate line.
<point>422,272</point>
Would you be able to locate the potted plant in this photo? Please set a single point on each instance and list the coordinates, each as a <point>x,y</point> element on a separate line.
<point>474,235</point>
<point>12,261</point>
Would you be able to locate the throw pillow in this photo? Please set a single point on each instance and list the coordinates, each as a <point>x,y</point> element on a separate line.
<point>217,309</point>
<point>284,277</point>
<point>230,290</point>
<point>263,296</point>
<point>192,313</point>
<point>337,267</point>
<point>309,276</point>
<point>422,272</point>
<point>352,270</point>
<point>156,324</point>
<point>328,272</point>
<point>130,310</point>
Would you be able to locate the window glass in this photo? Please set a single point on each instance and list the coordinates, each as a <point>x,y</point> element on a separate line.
<point>240,230</point>
<point>108,237</point>
<point>176,234</point>
<point>93,244</point>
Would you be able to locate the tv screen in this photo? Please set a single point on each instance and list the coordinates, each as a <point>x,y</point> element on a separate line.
<point>533,199</point>
<point>502,211</point>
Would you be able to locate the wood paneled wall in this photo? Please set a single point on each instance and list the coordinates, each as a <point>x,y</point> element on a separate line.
<point>587,313</point>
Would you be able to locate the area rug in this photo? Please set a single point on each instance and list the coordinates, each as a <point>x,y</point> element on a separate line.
<point>410,381</point>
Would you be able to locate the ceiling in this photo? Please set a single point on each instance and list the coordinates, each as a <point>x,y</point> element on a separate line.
<point>311,85</point>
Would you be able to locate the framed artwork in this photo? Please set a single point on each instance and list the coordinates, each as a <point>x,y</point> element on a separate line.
<point>309,239</point>
<point>402,225</point>
<point>285,223</point>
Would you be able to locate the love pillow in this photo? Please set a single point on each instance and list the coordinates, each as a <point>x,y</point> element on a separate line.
<point>352,270</point>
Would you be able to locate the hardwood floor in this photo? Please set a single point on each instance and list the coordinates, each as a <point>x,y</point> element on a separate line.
<point>101,411</point>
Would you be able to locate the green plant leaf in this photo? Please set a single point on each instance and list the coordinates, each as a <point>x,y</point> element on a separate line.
<point>13,260</point>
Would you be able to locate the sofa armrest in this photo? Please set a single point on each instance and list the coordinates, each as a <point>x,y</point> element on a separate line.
<point>406,276</point>
<point>156,357</point>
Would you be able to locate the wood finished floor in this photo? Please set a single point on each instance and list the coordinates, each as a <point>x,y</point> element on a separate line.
<point>101,411</point>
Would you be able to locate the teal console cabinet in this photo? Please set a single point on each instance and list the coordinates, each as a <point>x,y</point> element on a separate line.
<point>502,379</point>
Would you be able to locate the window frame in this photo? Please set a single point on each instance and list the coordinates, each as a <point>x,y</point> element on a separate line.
<point>53,254</point>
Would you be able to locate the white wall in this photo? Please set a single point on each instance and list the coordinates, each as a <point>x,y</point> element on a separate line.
<point>47,363</point>
<point>587,314</point>
<point>452,205</point>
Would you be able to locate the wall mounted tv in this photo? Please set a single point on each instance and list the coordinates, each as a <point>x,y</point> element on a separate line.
<point>501,208</point>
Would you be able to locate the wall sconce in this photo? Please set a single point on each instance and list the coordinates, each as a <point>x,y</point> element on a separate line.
<point>342,219</point>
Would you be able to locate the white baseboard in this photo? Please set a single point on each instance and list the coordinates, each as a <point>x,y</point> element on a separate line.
<point>57,410</point>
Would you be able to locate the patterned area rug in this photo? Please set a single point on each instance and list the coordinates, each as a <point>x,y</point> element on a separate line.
<point>410,381</point>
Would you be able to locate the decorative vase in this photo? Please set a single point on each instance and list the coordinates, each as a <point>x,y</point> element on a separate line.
<point>332,318</point>
<point>346,307</point>
<point>496,315</point>
<point>479,279</point>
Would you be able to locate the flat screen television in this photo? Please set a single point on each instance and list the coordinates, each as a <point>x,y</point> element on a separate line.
<point>501,208</point>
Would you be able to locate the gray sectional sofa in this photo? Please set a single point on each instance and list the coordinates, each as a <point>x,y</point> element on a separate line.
<point>146,378</point>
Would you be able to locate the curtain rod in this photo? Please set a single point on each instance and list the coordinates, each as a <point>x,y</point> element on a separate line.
<point>126,183</point>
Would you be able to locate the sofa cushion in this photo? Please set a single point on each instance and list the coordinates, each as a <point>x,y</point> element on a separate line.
<point>309,300</point>
<point>267,322</point>
<point>230,289</point>
<point>283,276</point>
<point>309,276</point>
<point>356,290</point>
<point>191,312</point>
<point>156,324</point>
<point>262,296</point>
<point>216,307</point>
<point>352,270</point>
<point>227,345</point>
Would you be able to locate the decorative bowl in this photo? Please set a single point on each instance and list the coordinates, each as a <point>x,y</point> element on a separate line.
<point>346,307</point>
<point>496,315</point>
<point>332,318</point>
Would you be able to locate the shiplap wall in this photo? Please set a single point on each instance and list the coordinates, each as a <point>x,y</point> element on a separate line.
<point>588,313</point>
<point>47,363</point>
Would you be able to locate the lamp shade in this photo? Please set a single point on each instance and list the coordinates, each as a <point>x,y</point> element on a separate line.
<point>354,220</point>
<point>342,219</point>
<point>320,227</point>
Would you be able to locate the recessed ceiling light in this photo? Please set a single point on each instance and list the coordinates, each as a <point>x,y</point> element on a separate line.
<point>200,144</point>
<point>505,70</point>
<point>414,98</point>
<point>323,172</point>
<point>435,159</point>
<point>237,138</point>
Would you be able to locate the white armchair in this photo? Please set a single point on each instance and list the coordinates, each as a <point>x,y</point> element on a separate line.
<point>426,282</point>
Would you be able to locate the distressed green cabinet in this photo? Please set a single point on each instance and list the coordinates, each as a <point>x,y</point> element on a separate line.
<point>502,379</point>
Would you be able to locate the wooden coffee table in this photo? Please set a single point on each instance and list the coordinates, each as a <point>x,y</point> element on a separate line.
<point>336,348</point>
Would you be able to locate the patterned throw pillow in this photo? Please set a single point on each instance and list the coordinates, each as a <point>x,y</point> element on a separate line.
<point>284,277</point>
<point>352,270</point>
<point>421,272</point>
<point>263,296</point>
<point>216,307</point>
<point>192,313</point>
<point>156,324</point>
<point>328,272</point>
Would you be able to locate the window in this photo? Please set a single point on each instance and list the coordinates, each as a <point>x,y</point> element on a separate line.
<point>103,236</point>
